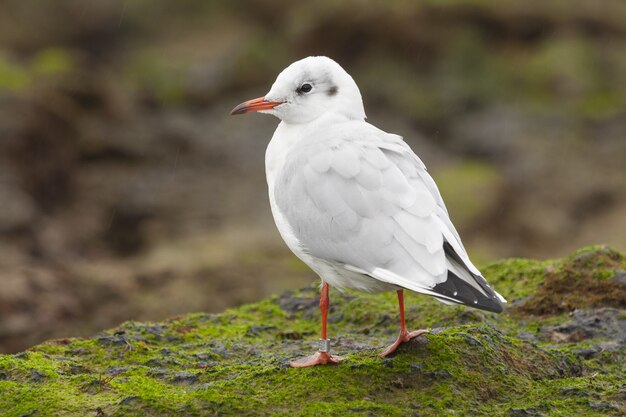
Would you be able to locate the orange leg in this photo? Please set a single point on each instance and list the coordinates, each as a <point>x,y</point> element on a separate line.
<point>404,336</point>
<point>323,357</point>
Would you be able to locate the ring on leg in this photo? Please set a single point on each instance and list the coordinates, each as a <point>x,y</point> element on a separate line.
<point>323,357</point>
<point>324,345</point>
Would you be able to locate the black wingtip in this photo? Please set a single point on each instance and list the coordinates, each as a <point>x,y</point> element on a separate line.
<point>464,292</point>
<point>458,290</point>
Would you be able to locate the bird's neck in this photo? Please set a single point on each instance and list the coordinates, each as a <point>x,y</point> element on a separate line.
<point>284,138</point>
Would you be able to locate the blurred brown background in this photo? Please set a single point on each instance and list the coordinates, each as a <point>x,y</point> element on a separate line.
<point>128,192</point>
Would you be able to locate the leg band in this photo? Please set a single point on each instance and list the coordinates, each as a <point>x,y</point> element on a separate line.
<point>324,345</point>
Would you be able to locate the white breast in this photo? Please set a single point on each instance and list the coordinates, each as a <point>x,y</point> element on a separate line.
<point>284,138</point>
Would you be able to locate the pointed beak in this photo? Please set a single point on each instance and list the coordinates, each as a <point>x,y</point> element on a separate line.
<point>255,105</point>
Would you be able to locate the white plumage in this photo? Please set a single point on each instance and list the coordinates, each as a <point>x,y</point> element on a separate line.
<point>353,202</point>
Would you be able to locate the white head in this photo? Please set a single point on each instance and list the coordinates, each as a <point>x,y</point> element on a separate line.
<point>306,90</point>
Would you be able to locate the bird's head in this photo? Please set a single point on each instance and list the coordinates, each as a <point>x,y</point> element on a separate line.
<point>308,89</point>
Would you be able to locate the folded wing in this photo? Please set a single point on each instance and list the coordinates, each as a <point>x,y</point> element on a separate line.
<point>361,198</point>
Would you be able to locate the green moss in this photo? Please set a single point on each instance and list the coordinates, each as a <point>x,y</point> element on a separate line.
<point>515,278</point>
<point>584,279</point>
<point>52,61</point>
<point>12,76</point>
<point>47,64</point>
<point>236,363</point>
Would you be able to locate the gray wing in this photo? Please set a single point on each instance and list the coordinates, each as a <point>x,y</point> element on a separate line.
<point>361,198</point>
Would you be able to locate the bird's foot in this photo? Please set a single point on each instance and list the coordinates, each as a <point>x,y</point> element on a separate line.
<point>402,338</point>
<point>319,358</point>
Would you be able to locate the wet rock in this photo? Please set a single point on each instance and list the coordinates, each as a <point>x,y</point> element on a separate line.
<point>588,324</point>
<point>77,369</point>
<point>166,352</point>
<point>258,329</point>
<point>37,375</point>
<point>159,372</point>
<point>116,370</point>
<point>489,340</point>
<point>604,406</point>
<point>219,349</point>
<point>527,336</point>
<point>383,320</point>
<point>162,362</point>
<point>620,277</point>
<point>298,304</point>
<point>153,329</point>
<point>188,346</point>
<point>173,338</point>
<point>588,352</point>
<point>387,362</point>
<point>440,374</point>
<point>525,412</point>
<point>350,344</point>
<point>118,339</point>
<point>416,367</point>
<point>471,339</point>
<point>184,378</point>
<point>206,364</point>
<point>132,400</point>
<point>574,392</point>
<point>335,318</point>
<point>205,356</point>
<point>290,335</point>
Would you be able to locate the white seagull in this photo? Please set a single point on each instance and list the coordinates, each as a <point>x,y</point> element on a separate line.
<point>355,203</point>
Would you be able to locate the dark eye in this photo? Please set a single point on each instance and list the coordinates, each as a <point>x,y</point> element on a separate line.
<point>305,88</point>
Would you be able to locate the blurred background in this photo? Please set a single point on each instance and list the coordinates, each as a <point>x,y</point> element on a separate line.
<point>128,192</point>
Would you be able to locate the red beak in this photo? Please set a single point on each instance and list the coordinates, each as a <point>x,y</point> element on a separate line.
<point>255,105</point>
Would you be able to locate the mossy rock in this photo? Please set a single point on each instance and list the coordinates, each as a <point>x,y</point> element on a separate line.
<point>541,357</point>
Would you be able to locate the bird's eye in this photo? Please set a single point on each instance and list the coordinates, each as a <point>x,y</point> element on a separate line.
<point>305,88</point>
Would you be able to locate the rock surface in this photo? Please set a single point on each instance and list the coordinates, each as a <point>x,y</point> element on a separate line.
<point>559,349</point>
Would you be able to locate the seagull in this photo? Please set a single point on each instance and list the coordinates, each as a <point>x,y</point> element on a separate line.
<point>355,203</point>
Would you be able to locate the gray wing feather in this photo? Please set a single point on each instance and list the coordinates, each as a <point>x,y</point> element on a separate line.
<point>321,161</point>
<point>345,161</point>
<point>415,169</point>
<point>369,177</point>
